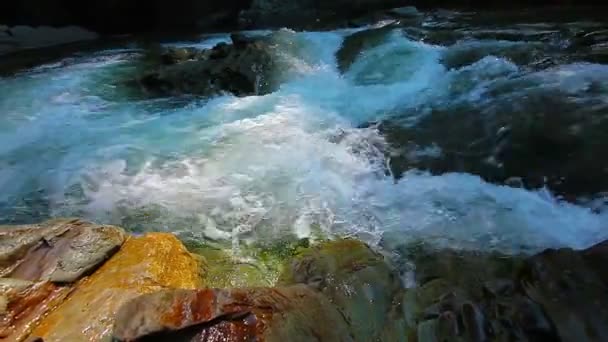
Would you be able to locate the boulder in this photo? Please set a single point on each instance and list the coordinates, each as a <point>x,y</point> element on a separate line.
<point>356,43</point>
<point>143,265</point>
<point>243,68</point>
<point>174,56</point>
<point>554,142</point>
<point>472,296</point>
<point>335,291</point>
<point>59,250</point>
<point>571,290</point>
<point>358,281</point>
<point>556,295</point>
<point>295,313</point>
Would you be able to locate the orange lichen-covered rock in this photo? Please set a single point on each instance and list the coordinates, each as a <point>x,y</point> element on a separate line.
<point>143,265</point>
<point>23,304</point>
<point>294,313</point>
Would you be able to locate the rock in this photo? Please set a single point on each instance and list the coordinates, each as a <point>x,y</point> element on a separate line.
<point>223,270</point>
<point>358,42</point>
<point>24,304</point>
<point>572,292</point>
<point>178,55</point>
<point>244,68</point>
<point>590,47</point>
<point>556,295</point>
<point>358,281</point>
<point>143,265</point>
<point>262,314</point>
<point>58,250</point>
<point>343,284</point>
<point>544,140</point>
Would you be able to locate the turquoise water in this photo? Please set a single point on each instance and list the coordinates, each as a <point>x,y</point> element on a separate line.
<point>302,161</point>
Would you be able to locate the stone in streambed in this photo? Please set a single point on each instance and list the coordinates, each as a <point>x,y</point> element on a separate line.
<point>243,68</point>
<point>58,250</point>
<point>178,55</point>
<point>551,142</point>
<point>355,44</point>
<point>358,281</point>
<point>143,265</point>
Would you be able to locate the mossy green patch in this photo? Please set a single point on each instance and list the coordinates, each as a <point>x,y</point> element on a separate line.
<point>255,265</point>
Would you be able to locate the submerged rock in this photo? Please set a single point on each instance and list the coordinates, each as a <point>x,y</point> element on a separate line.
<point>540,140</point>
<point>243,68</point>
<point>255,265</point>
<point>144,264</point>
<point>355,44</point>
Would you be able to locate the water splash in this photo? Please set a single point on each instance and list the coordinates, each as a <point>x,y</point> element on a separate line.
<point>294,162</point>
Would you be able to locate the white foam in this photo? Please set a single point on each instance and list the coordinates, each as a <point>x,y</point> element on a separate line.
<point>291,162</point>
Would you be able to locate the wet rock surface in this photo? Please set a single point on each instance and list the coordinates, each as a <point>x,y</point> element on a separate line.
<point>39,264</point>
<point>343,284</point>
<point>242,68</point>
<point>358,281</point>
<point>475,296</point>
<point>555,144</point>
<point>355,44</point>
<point>24,304</point>
<point>263,314</point>
<point>57,251</point>
<point>144,264</point>
<point>517,110</point>
<point>153,289</point>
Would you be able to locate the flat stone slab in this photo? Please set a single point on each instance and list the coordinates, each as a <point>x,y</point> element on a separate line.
<point>60,251</point>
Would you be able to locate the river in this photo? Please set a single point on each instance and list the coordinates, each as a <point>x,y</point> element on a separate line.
<point>311,159</point>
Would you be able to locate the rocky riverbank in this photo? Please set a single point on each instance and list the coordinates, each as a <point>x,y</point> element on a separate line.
<point>69,280</point>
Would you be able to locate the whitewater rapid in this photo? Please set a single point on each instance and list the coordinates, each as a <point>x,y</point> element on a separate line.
<point>302,161</point>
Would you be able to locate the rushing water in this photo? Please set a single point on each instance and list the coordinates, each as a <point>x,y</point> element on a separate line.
<point>301,161</point>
